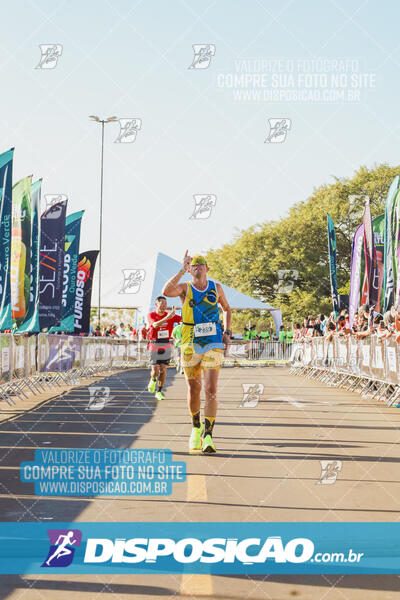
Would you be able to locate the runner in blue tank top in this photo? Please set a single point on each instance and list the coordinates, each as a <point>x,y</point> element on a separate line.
<point>202,343</point>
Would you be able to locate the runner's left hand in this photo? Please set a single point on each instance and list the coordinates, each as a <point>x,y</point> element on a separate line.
<point>226,339</point>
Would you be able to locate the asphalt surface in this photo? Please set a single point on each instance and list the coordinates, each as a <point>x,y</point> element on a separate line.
<point>267,469</point>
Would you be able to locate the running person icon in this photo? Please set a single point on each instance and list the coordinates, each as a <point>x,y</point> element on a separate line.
<point>62,549</point>
<point>202,343</point>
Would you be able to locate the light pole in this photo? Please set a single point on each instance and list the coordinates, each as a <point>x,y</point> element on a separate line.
<point>102,121</point>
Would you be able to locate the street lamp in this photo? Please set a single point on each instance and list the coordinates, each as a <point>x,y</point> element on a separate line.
<point>102,121</point>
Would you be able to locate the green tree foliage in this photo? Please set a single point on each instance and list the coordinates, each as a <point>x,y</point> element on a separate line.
<point>260,318</point>
<point>299,242</point>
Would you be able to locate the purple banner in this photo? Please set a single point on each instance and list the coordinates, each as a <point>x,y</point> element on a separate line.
<point>370,254</point>
<point>355,276</point>
<point>51,269</point>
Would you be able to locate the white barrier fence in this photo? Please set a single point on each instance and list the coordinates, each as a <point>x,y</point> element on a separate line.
<point>34,363</point>
<point>256,350</point>
<point>369,365</point>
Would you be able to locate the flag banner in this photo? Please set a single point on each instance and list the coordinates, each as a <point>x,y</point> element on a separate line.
<point>83,293</point>
<point>332,263</point>
<point>378,228</point>
<point>6,162</point>
<point>31,321</point>
<point>396,246</point>
<point>51,268</point>
<point>64,548</point>
<point>388,282</point>
<point>72,237</point>
<point>355,272</point>
<point>378,232</point>
<point>369,251</point>
<point>20,250</point>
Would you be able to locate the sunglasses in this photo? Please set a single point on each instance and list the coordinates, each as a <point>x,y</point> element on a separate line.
<point>198,261</point>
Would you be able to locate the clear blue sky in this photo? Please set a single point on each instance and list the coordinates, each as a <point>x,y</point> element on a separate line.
<point>131,59</point>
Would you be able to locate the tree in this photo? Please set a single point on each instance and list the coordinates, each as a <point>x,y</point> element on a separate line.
<point>298,244</point>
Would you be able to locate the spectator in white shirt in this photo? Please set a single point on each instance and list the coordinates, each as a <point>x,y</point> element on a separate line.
<point>121,330</point>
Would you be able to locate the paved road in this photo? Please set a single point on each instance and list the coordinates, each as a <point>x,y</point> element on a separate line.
<point>267,469</point>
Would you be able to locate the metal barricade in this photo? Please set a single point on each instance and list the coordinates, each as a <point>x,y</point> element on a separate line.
<point>319,352</point>
<point>365,357</point>
<point>7,390</point>
<point>392,366</point>
<point>308,351</point>
<point>253,352</point>
<point>369,365</point>
<point>341,353</point>
<point>377,358</point>
<point>6,358</point>
<point>317,367</point>
<point>392,372</point>
<point>297,358</point>
<point>354,356</point>
<point>33,363</point>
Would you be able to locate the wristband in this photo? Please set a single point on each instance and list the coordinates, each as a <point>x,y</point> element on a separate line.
<point>182,271</point>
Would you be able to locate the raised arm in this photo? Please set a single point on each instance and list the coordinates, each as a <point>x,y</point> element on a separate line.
<point>168,316</point>
<point>173,288</point>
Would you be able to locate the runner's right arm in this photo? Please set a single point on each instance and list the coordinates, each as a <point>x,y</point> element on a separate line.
<point>167,317</point>
<point>173,288</point>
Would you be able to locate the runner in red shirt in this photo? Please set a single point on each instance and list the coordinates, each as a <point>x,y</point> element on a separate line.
<point>161,324</point>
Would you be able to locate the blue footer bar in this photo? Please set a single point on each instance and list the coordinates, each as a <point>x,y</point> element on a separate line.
<point>217,548</point>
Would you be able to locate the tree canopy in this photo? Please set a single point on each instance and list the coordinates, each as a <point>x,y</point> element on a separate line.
<point>299,243</point>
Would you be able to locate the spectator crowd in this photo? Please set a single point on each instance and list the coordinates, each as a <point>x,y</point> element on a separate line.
<point>366,322</point>
<point>285,334</point>
<point>123,332</point>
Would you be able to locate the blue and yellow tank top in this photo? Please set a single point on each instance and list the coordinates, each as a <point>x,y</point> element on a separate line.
<point>201,328</point>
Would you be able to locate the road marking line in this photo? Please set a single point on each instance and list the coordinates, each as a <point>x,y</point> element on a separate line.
<point>289,399</point>
<point>196,584</point>
<point>197,489</point>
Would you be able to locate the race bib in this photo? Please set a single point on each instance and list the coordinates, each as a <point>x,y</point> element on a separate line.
<point>205,329</point>
<point>162,335</point>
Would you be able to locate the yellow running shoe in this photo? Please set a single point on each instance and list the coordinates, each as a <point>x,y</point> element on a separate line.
<point>152,386</point>
<point>208,445</point>
<point>195,438</point>
<point>160,396</point>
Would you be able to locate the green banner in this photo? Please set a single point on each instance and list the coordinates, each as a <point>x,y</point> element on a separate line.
<point>31,321</point>
<point>6,163</point>
<point>388,259</point>
<point>396,246</point>
<point>332,263</point>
